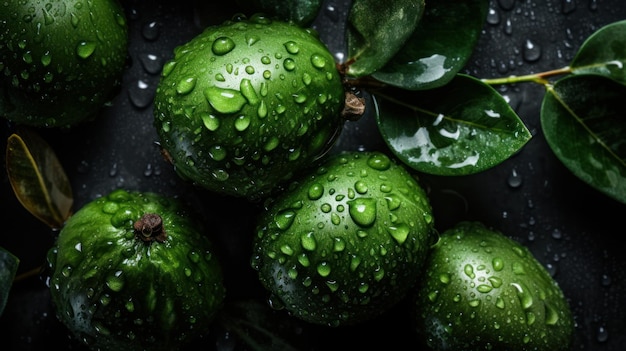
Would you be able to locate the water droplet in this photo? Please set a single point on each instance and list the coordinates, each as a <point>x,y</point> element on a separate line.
<point>247,90</point>
<point>185,86</point>
<point>152,64</point>
<point>211,122</point>
<point>525,298</point>
<point>515,179</point>
<point>316,191</point>
<point>531,51</point>
<point>363,211</point>
<point>605,280</point>
<point>115,281</point>
<point>318,61</point>
<point>284,219</point>
<point>602,335</point>
<point>308,241</point>
<point>399,232</point>
<point>469,271</point>
<point>292,47</point>
<point>271,144</point>
<point>393,202</point>
<point>339,245</point>
<point>225,100</point>
<point>139,94</point>
<point>379,162</point>
<point>217,152</point>
<point>289,64</point>
<point>252,39</point>
<point>150,31</point>
<point>493,16</point>
<point>242,123</point>
<point>84,49</point>
<point>222,46</point>
<point>323,269</point>
<point>360,187</point>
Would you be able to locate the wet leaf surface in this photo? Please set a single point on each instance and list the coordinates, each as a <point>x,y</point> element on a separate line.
<point>440,46</point>
<point>604,53</point>
<point>584,123</point>
<point>373,40</point>
<point>461,128</point>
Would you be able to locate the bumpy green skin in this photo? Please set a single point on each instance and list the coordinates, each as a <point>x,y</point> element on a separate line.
<point>484,291</point>
<point>245,104</point>
<point>116,292</point>
<point>60,61</point>
<point>347,242</point>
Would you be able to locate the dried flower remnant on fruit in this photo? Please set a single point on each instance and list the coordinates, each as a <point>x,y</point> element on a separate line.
<point>354,107</point>
<point>149,228</point>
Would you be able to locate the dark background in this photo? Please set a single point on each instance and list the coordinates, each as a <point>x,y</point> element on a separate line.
<point>575,231</point>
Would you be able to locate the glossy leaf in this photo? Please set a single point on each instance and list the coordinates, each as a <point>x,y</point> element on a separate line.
<point>461,128</point>
<point>38,179</point>
<point>376,30</point>
<point>584,123</point>
<point>439,48</point>
<point>8,268</point>
<point>604,53</point>
<point>302,12</point>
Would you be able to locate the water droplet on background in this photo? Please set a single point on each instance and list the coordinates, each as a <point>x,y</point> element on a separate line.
<point>150,31</point>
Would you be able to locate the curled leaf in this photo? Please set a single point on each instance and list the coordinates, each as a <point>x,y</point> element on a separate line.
<point>461,128</point>
<point>583,121</point>
<point>376,30</point>
<point>440,46</point>
<point>604,53</point>
<point>38,179</point>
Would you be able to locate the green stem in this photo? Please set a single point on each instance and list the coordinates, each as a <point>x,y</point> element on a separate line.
<point>539,78</point>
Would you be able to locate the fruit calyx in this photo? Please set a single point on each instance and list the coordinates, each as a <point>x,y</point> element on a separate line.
<point>150,228</point>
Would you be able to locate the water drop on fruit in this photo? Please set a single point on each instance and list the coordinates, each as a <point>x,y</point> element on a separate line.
<point>84,49</point>
<point>185,86</point>
<point>318,61</point>
<point>399,232</point>
<point>363,211</point>
<point>225,100</point>
<point>222,46</point>
<point>284,219</point>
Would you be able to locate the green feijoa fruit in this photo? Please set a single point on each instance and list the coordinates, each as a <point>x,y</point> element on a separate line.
<point>485,291</point>
<point>245,104</point>
<point>135,271</point>
<point>345,243</point>
<point>60,61</point>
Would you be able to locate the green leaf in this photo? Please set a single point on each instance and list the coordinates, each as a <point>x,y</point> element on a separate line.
<point>604,53</point>
<point>439,48</point>
<point>376,30</point>
<point>584,123</point>
<point>8,268</point>
<point>38,179</point>
<point>301,12</point>
<point>461,128</point>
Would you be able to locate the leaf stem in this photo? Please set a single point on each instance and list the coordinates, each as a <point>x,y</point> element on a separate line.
<point>539,78</point>
<point>33,272</point>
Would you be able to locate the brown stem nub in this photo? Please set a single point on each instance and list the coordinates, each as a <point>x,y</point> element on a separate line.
<point>354,107</point>
<point>149,228</point>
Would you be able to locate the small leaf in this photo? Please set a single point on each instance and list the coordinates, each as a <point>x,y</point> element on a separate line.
<point>8,268</point>
<point>377,30</point>
<point>461,128</point>
<point>584,123</point>
<point>440,46</point>
<point>604,53</point>
<point>38,179</point>
<point>301,12</point>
